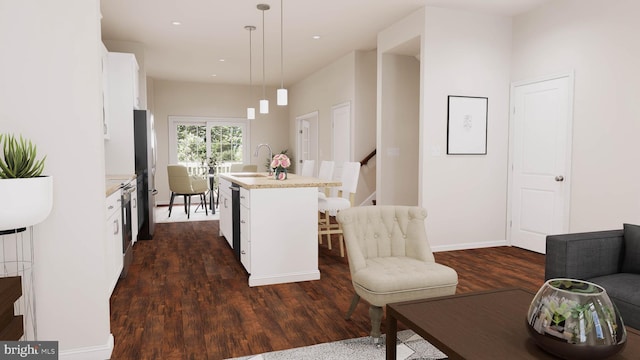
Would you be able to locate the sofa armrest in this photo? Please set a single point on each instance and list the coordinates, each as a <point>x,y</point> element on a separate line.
<point>584,255</point>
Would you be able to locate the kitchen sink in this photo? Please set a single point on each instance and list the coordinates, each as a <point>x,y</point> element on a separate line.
<point>248,175</point>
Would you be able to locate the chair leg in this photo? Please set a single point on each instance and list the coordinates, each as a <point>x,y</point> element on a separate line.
<point>352,307</point>
<point>319,227</point>
<point>204,199</point>
<point>188,207</point>
<point>173,195</point>
<point>375,313</point>
<point>185,203</point>
<point>327,220</point>
<point>203,202</point>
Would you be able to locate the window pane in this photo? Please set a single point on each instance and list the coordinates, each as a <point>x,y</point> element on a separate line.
<point>226,143</point>
<point>192,144</point>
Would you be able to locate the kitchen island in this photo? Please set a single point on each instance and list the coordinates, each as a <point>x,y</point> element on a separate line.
<point>278,225</point>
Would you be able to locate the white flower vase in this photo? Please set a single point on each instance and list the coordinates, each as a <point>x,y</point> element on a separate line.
<point>25,201</point>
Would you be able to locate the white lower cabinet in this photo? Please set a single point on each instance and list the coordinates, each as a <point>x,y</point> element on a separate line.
<point>113,240</point>
<point>224,207</point>
<point>245,237</point>
<point>279,236</point>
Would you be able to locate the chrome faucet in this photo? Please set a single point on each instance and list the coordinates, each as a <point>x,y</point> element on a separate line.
<point>255,154</point>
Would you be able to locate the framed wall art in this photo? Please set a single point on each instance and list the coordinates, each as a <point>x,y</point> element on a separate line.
<point>467,125</point>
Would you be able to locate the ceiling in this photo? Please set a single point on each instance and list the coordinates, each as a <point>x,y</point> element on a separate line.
<point>213,30</point>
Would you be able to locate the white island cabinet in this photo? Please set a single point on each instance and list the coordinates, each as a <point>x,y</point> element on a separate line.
<point>278,227</point>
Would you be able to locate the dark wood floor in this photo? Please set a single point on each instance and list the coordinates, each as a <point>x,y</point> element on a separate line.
<point>186,297</point>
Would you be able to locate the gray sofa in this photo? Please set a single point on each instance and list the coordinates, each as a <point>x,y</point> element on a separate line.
<point>610,259</point>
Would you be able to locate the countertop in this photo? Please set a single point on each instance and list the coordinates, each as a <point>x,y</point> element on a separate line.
<point>264,181</point>
<point>114,182</point>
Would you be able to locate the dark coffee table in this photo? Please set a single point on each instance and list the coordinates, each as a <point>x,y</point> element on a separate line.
<point>484,325</point>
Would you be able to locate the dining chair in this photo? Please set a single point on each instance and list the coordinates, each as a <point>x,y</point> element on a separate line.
<point>308,168</point>
<point>183,184</point>
<point>325,173</point>
<point>329,206</point>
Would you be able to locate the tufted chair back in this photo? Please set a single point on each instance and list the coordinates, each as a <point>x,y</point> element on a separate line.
<point>390,259</point>
<point>384,231</point>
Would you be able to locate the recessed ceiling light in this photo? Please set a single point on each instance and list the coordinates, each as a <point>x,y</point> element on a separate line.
<point>214,75</point>
<point>221,60</point>
<point>176,23</point>
<point>315,37</point>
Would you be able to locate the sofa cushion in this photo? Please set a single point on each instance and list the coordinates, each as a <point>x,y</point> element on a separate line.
<point>631,260</point>
<point>624,291</point>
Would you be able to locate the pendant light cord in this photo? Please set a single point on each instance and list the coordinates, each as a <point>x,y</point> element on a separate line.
<point>250,60</point>
<point>264,96</point>
<point>281,47</point>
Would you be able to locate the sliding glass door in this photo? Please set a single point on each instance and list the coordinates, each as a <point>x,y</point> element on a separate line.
<point>201,142</point>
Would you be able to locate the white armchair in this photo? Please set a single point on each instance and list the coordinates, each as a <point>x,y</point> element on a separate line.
<point>390,259</point>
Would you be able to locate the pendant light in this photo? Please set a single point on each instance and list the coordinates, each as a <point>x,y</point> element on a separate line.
<point>282,98</point>
<point>251,111</point>
<point>264,103</point>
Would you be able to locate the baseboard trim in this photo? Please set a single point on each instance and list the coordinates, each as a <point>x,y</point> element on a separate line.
<point>369,200</point>
<point>467,246</point>
<point>102,352</point>
<point>283,278</point>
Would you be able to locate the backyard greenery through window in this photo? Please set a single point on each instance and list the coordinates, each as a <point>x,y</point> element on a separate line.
<point>207,142</point>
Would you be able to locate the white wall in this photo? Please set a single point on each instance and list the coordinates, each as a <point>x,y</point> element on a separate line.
<point>364,113</point>
<point>388,142</point>
<point>51,93</point>
<point>350,78</point>
<point>400,140</point>
<point>462,53</point>
<point>174,98</point>
<point>597,39</point>
<point>465,53</point>
<point>329,86</point>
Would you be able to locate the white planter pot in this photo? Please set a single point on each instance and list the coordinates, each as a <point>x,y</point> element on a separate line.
<point>25,202</point>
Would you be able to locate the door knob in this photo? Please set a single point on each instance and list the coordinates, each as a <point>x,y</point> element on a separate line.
<point>559,178</point>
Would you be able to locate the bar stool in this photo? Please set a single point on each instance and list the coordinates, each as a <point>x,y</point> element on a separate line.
<point>330,206</point>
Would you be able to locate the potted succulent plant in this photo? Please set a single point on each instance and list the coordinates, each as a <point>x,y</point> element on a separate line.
<point>27,195</point>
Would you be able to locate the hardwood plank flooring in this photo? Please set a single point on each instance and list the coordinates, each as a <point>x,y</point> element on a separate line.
<point>186,297</point>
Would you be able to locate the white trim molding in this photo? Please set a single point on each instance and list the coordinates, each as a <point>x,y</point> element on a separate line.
<point>90,353</point>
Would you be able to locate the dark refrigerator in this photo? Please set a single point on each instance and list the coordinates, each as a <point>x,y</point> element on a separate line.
<point>144,139</point>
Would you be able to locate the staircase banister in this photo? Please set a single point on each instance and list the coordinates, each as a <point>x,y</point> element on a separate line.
<point>366,159</point>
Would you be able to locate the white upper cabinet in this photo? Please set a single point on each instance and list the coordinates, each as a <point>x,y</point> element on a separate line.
<point>136,84</point>
<point>122,98</point>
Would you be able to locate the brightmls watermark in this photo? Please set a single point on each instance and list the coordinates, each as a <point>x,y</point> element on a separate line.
<point>30,350</point>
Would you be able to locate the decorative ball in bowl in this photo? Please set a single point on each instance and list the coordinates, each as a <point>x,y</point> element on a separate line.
<point>575,319</point>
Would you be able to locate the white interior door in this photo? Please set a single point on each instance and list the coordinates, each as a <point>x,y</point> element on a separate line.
<point>341,127</point>
<point>307,139</point>
<point>541,155</point>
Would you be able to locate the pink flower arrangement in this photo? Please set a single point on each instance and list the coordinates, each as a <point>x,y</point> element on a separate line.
<point>280,161</point>
<point>279,164</point>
